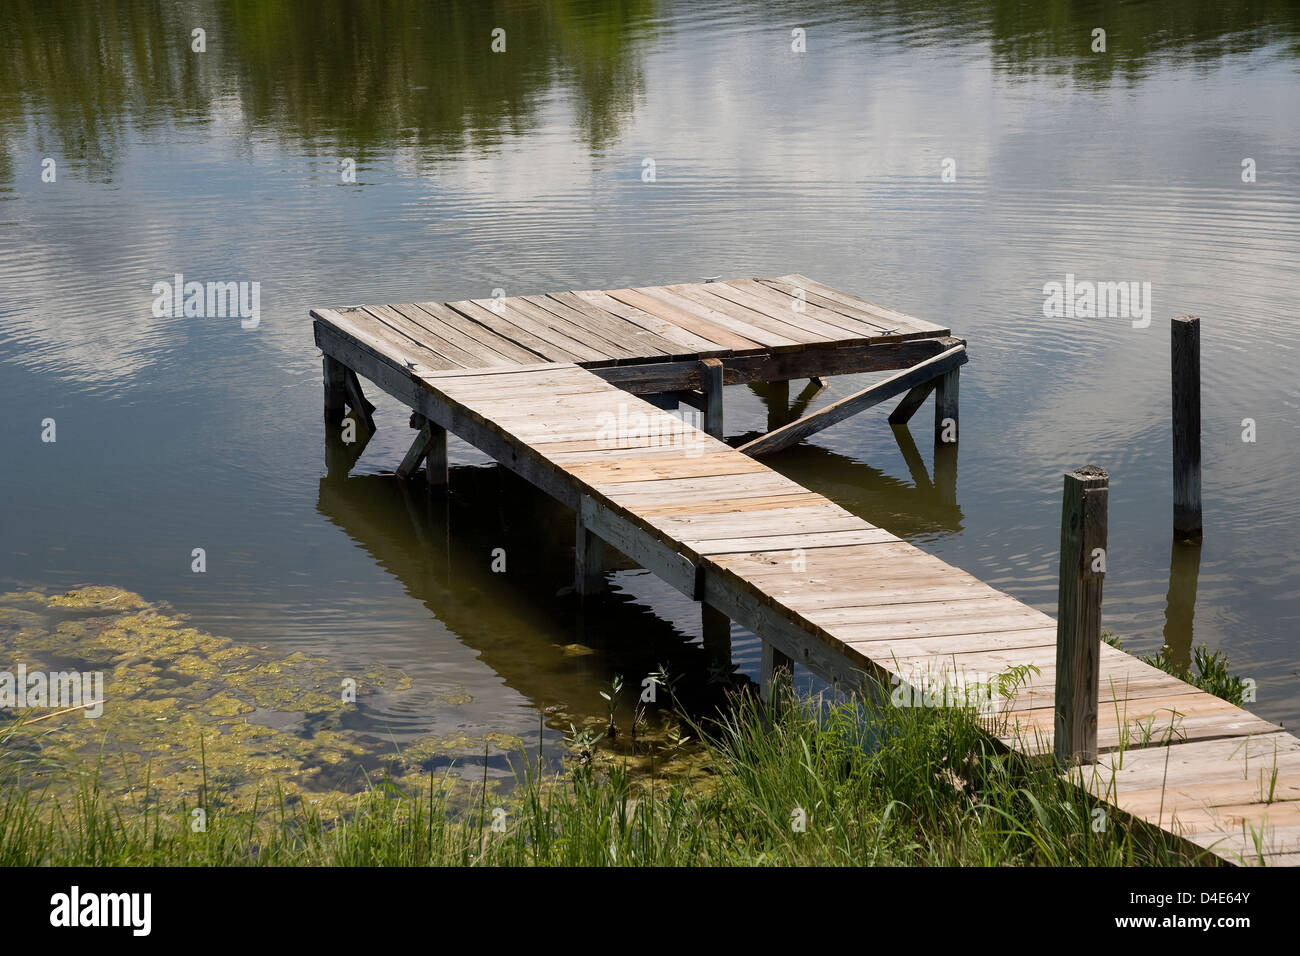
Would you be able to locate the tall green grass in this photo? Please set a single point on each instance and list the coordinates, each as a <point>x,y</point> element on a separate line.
<point>844,783</point>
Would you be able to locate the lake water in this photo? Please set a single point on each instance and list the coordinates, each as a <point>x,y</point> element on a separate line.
<point>522,170</point>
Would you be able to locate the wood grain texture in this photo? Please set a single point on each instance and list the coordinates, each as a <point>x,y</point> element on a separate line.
<point>1078,635</point>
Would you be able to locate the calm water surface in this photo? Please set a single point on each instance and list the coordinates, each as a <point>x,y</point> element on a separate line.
<point>522,170</point>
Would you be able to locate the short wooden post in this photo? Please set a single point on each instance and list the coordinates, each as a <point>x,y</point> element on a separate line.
<point>589,560</point>
<point>430,447</point>
<point>711,385</point>
<point>717,636</point>
<point>775,671</point>
<point>1185,364</point>
<point>1078,624</point>
<point>945,408</point>
<point>435,458</point>
<point>336,390</point>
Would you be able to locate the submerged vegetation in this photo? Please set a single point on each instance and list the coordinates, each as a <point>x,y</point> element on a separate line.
<point>803,782</point>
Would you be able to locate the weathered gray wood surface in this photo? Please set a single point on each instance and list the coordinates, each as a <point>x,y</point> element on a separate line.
<point>818,585</point>
<point>1078,627</point>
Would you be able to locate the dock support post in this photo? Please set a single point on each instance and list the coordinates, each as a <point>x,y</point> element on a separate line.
<point>711,385</point>
<point>1185,364</point>
<point>1078,625</point>
<point>945,408</point>
<point>336,390</point>
<point>717,636</point>
<point>946,435</point>
<point>435,458</point>
<point>430,446</point>
<point>589,560</point>
<point>775,672</point>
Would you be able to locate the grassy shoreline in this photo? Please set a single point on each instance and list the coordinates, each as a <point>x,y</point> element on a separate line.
<point>809,783</point>
<point>168,779</point>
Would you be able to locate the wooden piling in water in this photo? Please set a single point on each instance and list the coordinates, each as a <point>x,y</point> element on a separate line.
<point>336,391</point>
<point>945,407</point>
<point>716,628</point>
<point>435,459</point>
<point>711,380</point>
<point>1078,624</point>
<point>1185,368</point>
<point>775,670</point>
<point>590,560</point>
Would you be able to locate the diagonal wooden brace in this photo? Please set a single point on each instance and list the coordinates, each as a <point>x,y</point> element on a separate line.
<point>357,399</point>
<point>910,403</point>
<point>929,370</point>
<point>431,445</point>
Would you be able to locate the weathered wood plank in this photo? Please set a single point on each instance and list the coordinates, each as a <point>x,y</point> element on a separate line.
<point>801,308</point>
<point>760,303</point>
<point>636,340</point>
<point>366,330</point>
<point>597,346</point>
<point>550,346</point>
<point>471,336</point>
<point>465,358</point>
<point>868,310</point>
<point>857,321</point>
<point>694,343</point>
<point>723,309</point>
<point>776,367</point>
<point>687,319</point>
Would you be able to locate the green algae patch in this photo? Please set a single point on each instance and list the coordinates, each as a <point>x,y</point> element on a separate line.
<point>97,597</point>
<point>189,718</point>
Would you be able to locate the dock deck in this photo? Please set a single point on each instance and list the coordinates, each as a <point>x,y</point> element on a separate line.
<point>544,385</point>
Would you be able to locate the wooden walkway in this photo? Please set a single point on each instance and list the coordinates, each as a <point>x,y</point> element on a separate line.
<point>820,586</point>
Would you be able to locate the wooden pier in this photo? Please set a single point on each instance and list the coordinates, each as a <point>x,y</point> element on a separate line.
<point>547,385</point>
